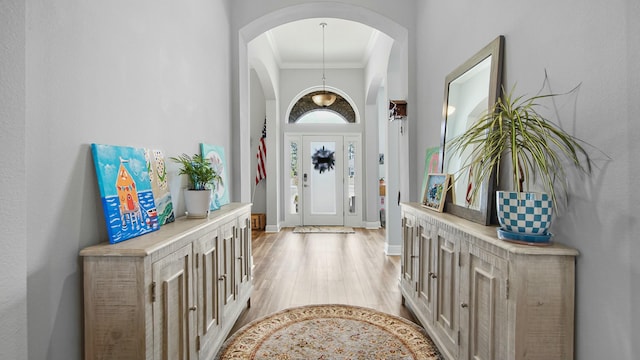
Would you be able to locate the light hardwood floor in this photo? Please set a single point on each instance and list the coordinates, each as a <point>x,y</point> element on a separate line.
<point>301,269</point>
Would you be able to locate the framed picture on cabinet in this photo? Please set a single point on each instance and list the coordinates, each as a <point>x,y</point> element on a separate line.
<point>435,191</point>
<point>125,191</point>
<point>431,165</point>
<point>157,172</point>
<point>215,154</point>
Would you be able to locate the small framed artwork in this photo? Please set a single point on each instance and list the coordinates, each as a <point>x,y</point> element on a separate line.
<point>431,164</point>
<point>435,191</point>
<point>215,155</point>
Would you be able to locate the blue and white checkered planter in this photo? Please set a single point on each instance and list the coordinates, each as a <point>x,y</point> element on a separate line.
<point>526,213</point>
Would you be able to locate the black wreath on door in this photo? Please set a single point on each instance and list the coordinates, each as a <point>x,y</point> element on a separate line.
<point>323,160</point>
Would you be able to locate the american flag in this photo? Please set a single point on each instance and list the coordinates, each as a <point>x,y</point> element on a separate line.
<point>261,172</point>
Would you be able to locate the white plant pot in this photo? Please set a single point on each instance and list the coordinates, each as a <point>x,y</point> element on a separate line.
<point>524,212</point>
<point>197,203</point>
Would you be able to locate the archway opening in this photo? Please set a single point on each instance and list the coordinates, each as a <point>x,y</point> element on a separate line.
<point>398,36</point>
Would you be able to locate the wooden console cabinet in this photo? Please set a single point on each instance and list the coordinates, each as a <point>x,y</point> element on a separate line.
<point>479,297</point>
<point>171,294</point>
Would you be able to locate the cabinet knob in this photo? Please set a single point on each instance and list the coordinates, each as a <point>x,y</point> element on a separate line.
<point>193,308</point>
<point>464,305</point>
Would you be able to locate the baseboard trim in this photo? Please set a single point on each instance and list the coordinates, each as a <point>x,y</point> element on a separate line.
<point>272,228</point>
<point>372,225</point>
<point>392,250</point>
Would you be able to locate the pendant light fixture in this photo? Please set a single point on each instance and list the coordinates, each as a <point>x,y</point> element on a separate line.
<point>324,99</point>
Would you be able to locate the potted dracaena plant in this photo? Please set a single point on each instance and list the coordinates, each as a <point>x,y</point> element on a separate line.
<point>202,180</point>
<point>538,152</point>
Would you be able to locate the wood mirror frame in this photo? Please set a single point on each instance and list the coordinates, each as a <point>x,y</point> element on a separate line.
<point>482,71</point>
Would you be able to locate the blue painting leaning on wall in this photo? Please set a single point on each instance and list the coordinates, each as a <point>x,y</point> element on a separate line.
<point>125,190</point>
<point>215,154</point>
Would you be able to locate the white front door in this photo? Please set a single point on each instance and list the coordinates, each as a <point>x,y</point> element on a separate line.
<point>322,180</point>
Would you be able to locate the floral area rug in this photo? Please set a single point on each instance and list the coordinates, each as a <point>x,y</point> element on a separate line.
<point>329,332</point>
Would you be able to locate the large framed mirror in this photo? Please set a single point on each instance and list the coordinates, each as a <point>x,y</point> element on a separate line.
<point>470,91</point>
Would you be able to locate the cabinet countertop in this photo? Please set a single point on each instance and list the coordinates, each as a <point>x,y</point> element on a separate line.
<point>489,234</point>
<point>147,244</point>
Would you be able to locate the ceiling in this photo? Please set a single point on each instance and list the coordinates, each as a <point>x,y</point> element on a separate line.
<point>298,44</point>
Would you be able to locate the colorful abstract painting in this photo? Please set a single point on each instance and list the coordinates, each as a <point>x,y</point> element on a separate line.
<point>125,190</point>
<point>215,154</point>
<point>431,165</point>
<point>159,185</point>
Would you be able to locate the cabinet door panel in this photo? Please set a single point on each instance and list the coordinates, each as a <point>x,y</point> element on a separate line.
<point>408,237</point>
<point>242,248</point>
<point>228,262</point>
<point>208,288</point>
<point>447,309</point>
<point>427,270</point>
<point>173,319</point>
<point>484,330</point>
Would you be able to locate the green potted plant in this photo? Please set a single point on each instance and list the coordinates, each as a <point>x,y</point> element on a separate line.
<point>538,152</point>
<point>202,179</point>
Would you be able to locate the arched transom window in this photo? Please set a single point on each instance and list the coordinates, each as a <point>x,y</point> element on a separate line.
<point>305,111</point>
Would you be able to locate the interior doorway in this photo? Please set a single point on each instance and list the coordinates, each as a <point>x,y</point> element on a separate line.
<point>323,179</point>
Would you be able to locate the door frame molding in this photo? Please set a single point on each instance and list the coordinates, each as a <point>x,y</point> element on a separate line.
<point>349,219</point>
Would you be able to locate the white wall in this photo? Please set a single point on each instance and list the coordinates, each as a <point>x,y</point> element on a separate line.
<point>297,82</point>
<point>244,12</point>
<point>376,118</point>
<point>631,126</point>
<point>258,113</point>
<point>595,43</point>
<point>13,241</point>
<point>144,73</point>
<point>261,60</point>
